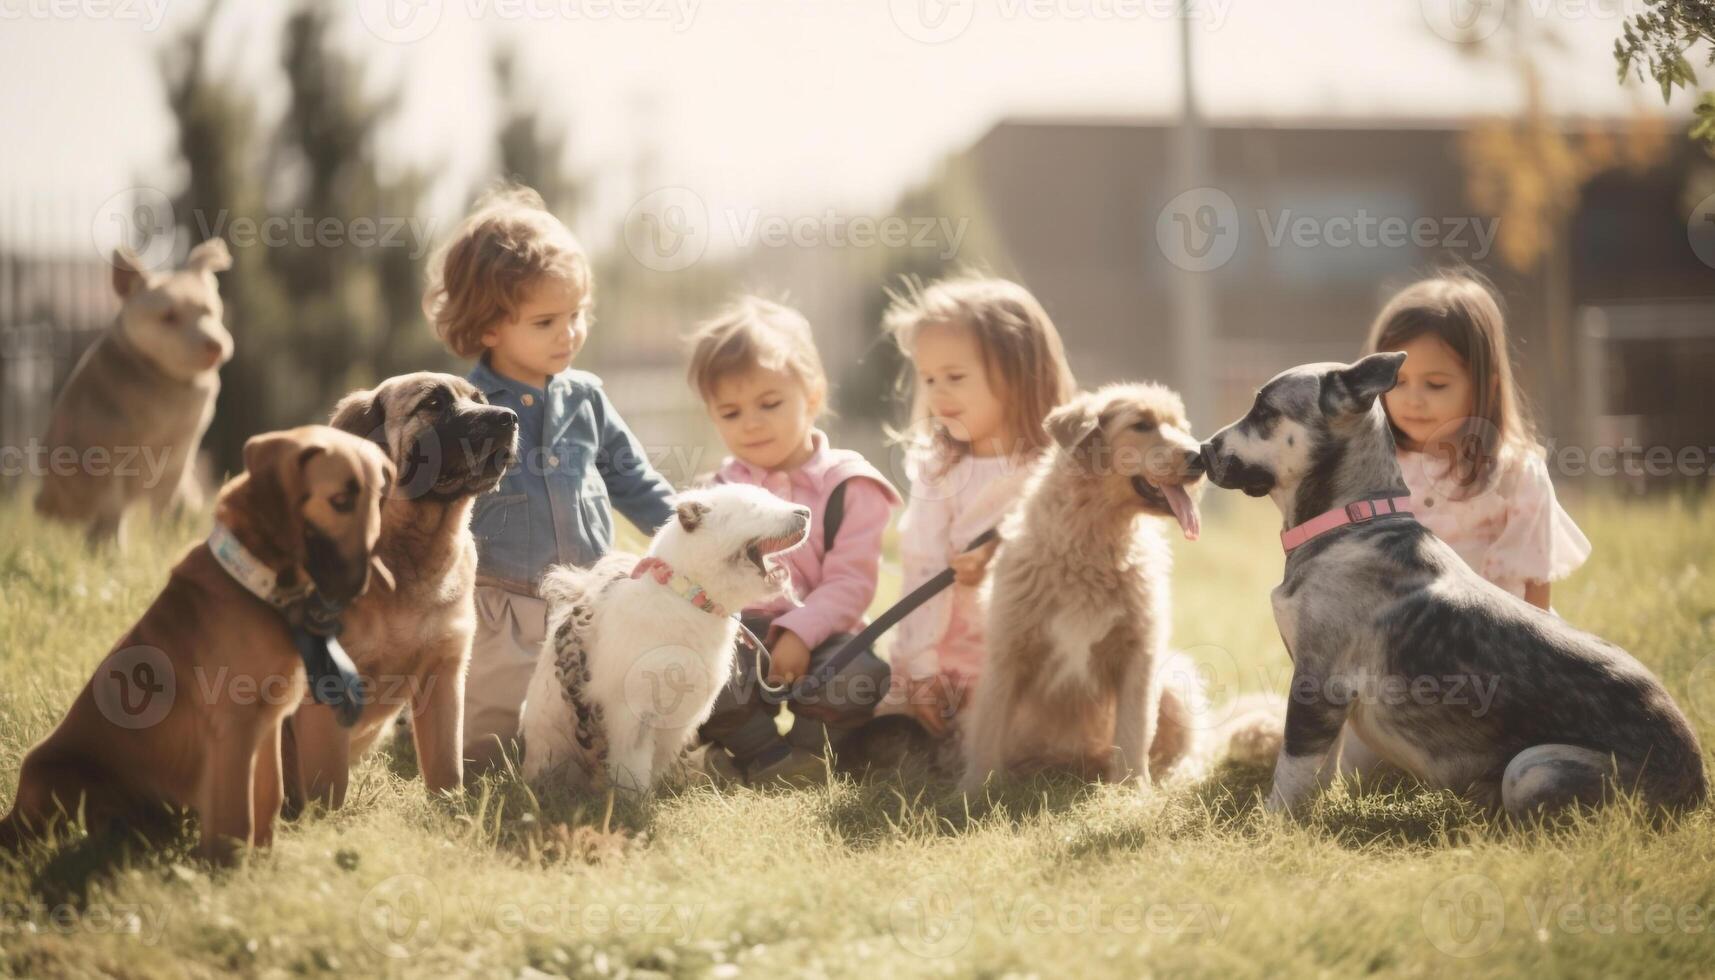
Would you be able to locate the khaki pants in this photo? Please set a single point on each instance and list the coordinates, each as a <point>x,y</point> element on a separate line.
<point>510,629</point>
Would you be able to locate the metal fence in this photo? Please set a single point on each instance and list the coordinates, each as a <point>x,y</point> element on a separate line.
<point>54,301</point>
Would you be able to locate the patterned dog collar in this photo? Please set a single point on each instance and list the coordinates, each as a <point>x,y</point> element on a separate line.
<point>693,593</point>
<point>262,581</point>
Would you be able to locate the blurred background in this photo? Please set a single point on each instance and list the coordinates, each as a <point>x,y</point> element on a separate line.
<point>1200,195</point>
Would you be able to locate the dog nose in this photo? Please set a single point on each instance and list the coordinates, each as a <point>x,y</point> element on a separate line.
<point>1193,461</point>
<point>509,420</point>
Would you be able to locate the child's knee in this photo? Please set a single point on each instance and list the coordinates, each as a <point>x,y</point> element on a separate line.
<point>853,692</point>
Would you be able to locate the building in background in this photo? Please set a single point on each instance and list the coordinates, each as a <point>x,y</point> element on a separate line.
<point>1079,210</point>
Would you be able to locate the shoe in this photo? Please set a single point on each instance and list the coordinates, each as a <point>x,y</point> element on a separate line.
<point>720,764</point>
<point>810,735</point>
<point>778,764</point>
<point>795,767</point>
<point>886,743</point>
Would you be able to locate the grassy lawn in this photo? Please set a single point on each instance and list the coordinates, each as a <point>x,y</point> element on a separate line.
<point>886,876</point>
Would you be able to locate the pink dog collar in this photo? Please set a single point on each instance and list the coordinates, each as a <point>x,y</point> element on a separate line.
<point>1356,512</point>
<point>663,574</point>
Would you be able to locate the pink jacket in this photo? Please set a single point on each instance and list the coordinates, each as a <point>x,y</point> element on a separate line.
<point>949,507</point>
<point>835,586</point>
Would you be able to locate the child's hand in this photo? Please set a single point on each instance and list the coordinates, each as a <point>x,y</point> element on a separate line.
<point>789,658</point>
<point>970,567</point>
<point>929,701</point>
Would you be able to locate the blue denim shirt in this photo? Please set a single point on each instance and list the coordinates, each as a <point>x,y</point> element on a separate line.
<point>576,458</point>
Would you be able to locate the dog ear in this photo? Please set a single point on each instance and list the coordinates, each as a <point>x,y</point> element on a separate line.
<point>211,257</point>
<point>691,513</point>
<point>360,413</point>
<point>128,274</point>
<point>1352,390</point>
<point>274,461</point>
<point>1073,422</point>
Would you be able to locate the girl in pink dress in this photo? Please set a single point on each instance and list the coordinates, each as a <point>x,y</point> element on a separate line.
<point>1465,442</point>
<point>987,366</point>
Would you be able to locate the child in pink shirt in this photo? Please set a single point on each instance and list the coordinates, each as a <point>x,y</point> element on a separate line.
<point>988,367</point>
<point>756,367</point>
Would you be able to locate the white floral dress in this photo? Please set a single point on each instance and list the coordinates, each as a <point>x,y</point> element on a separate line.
<point>1512,533</point>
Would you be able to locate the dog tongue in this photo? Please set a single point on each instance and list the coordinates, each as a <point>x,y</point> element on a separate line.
<point>1184,510</point>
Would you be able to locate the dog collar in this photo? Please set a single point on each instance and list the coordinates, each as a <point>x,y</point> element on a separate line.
<point>693,593</point>
<point>261,581</point>
<point>1356,512</point>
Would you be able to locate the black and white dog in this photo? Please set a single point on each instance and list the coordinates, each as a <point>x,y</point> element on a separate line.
<point>1436,670</point>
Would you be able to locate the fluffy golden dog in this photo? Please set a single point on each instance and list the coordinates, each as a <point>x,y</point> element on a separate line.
<point>1079,603</point>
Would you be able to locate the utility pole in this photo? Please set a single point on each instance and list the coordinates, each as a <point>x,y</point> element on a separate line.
<point>1192,304</point>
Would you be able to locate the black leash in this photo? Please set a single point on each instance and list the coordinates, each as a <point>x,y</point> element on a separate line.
<point>812,682</point>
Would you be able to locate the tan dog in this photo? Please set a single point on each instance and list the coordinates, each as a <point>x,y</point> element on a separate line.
<point>1079,606</point>
<point>412,643</point>
<point>136,406</point>
<point>186,709</point>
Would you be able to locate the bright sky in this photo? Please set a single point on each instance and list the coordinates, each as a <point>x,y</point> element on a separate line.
<point>778,104</point>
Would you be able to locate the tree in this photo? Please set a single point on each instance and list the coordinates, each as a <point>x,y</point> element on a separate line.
<point>326,286</point>
<point>357,291</point>
<point>1530,171</point>
<point>1654,45</point>
<point>217,140</point>
<point>532,150</point>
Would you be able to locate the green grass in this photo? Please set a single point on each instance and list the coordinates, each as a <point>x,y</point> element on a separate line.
<point>887,875</point>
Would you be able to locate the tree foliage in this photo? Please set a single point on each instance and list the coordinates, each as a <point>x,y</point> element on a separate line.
<point>1657,44</point>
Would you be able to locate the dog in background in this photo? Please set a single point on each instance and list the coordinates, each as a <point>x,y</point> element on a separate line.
<point>411,643</point>
<point>638,649</point>
<point>1078,675</point>
<point>186,709</point>
<point>142,395</point>
<point>1376,603</point>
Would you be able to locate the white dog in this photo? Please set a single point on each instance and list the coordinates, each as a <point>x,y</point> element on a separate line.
<point>638,649</point>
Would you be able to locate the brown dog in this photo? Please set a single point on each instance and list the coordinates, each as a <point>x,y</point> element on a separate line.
<point>412,643</point>
<point>186,710</point>
<point>1079,611</point>
<point>136,406</point>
